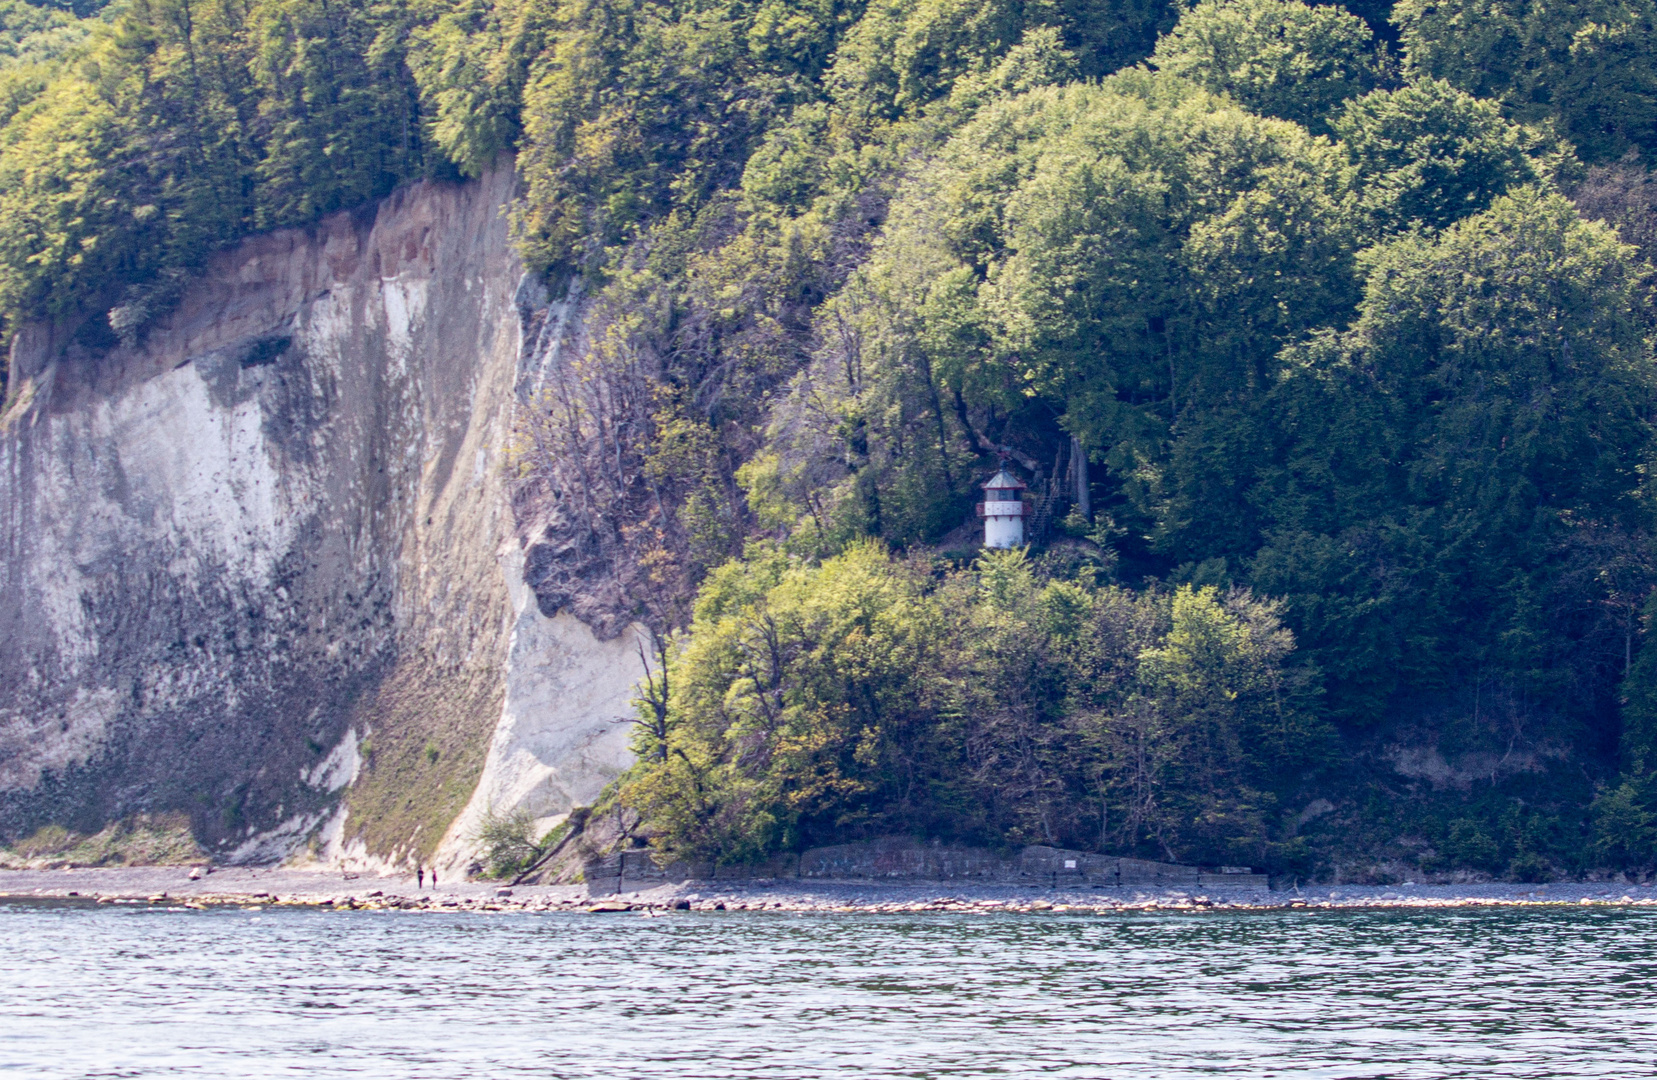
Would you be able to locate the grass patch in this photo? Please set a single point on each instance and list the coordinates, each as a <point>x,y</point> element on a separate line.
<point>423,759</point>
<point>138,840</point>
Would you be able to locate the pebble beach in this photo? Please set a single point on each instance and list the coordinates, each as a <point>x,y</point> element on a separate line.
<point>250,888</point>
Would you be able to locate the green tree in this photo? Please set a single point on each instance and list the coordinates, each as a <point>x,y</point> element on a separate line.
<point>471,64</point>
<point>1127,257</point>
<point>794,710</point>
<point>337,111</point>
<point>1430,153</point>
<point>863,696</point>
<point>130,163</point>
<point>1277,57</point>
<point>1625,814</point>
<point>1586,65</point>
<point>182,125</point>
<point>1007,659</point>
<point>31,34</point>
<point>633,110</point>
<point>1231,724</point>
<point>1483,422</point>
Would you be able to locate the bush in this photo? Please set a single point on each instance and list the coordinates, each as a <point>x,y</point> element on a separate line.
<point>508,843</point>
<point>1625,829</point>
<point>1469,845</point>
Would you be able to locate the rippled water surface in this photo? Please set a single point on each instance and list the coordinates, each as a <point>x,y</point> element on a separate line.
<point>1510,993</point>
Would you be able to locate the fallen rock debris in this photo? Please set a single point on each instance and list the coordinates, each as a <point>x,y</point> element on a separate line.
<point>378,900</point>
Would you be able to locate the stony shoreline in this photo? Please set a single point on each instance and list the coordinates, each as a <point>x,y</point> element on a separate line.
<point>258,888</point>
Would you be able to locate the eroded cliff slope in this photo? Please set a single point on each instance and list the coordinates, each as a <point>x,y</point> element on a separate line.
<point>256,567</point>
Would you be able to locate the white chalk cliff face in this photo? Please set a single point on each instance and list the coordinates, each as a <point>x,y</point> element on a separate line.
<point>564,730</point>
<point>256,562</point>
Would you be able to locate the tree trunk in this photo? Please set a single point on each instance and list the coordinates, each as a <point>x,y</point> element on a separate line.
<point>1084,496</point>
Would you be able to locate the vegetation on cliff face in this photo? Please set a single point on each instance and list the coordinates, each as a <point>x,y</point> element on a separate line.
<point>138,840</point>
<point>174,127</point>
<point>874,695</point>
<point>1350,316</point>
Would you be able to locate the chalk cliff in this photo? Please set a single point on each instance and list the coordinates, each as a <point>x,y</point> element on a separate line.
<point>260,566</point>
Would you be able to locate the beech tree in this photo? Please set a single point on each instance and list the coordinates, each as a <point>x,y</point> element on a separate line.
<point>1432,154</point>
<point>1587,66</point>
<point>814,703</point>
<point>1277,58</point>
<point>1486,418</point>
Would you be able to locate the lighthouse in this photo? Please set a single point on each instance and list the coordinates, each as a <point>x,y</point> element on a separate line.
<point>1003,510</point>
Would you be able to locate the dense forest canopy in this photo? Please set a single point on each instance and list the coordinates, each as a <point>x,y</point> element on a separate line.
<point>1347,312</point>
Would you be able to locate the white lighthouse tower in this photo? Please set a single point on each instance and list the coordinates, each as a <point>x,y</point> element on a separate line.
<point>1003,510</point>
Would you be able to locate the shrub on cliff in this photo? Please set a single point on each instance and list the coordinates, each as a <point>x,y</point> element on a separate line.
<point>507,843</point>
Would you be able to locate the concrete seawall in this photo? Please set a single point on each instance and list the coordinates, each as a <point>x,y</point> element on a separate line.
<point>907,861</point>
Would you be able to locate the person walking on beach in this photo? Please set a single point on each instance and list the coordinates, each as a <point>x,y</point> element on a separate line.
<point>420,875</point>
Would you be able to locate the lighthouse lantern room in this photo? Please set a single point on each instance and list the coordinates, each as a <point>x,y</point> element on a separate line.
<point>1003,510</point>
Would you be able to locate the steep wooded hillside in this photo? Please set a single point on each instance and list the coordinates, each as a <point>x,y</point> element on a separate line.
<point>1340,321</point>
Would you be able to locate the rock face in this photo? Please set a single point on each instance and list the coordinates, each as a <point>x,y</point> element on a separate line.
<point>562,732</point>
<point>262,560</point>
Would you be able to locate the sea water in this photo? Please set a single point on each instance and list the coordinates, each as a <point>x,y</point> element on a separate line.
<point>145,992</point>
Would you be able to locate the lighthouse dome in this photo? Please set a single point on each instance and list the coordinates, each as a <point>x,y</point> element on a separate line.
<point>1004,481</point>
